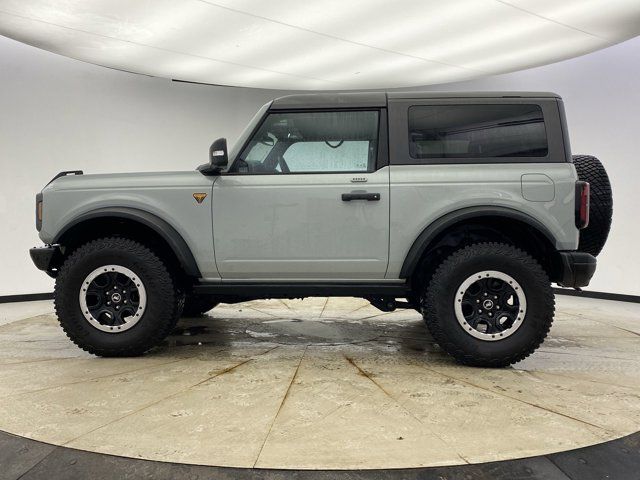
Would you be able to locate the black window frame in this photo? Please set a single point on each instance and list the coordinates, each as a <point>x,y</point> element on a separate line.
<point>382,150</point>
<point>399,130</point>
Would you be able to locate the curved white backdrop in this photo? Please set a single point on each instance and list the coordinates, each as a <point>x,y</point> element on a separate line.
<point>61,114</point>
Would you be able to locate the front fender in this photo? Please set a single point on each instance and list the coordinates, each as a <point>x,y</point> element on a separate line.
<point>161,227</point>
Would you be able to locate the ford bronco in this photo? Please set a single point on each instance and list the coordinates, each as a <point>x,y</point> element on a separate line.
<point>462,206</point>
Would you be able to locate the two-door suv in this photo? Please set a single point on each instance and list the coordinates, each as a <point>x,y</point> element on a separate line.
<point>463,206</point>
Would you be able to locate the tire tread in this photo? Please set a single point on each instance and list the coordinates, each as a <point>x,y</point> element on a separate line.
<point>590,169</point>
<point>466,254</point>
<point>65,302</point>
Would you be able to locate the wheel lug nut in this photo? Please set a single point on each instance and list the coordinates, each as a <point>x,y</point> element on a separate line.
<point>477,301</point>
<point>490,314</point>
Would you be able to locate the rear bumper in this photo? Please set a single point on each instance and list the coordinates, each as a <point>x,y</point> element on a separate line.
<point>576,269</point>
<point>46,258</point>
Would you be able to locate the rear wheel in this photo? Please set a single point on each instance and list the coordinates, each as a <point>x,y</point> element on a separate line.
<point>115,297</point>
<point>489,305</point>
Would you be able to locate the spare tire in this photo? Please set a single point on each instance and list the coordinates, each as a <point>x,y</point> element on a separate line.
<point>591,170</point>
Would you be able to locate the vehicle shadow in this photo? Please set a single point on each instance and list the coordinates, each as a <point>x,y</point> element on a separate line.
<point>401,334</point>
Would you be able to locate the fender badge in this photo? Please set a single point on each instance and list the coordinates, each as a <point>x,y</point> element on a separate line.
<point>199,197</point>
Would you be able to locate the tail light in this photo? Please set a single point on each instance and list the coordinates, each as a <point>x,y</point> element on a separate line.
<point>582,204</point>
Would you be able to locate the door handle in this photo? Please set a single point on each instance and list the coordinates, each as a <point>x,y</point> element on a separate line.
<point>370,197</point>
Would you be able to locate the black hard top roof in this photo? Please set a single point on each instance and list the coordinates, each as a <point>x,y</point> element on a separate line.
<point>379,99</point>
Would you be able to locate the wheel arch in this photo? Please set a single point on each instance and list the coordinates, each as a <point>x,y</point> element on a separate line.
<point>499,218</point>
<point>140,224</point>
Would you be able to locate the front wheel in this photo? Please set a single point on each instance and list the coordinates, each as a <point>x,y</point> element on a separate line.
<point>114,297</point>
<point>489,305</point>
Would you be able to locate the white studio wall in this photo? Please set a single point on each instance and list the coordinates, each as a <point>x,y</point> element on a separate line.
<point>61,114</point>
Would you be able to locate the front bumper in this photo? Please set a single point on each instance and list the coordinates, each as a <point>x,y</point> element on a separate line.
<point>576,269</point>
<point>47,258</point>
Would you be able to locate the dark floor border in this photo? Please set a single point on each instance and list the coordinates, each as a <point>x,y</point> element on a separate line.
<point>26,459</point>
<point>26,297</point>
<point>620,297</point>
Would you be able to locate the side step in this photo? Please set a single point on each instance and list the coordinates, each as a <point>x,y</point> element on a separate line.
<point>296,290</point>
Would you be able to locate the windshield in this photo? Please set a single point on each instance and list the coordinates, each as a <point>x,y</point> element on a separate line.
<point>246,133</point>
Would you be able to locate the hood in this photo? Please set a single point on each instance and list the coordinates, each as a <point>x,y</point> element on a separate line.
<point>126,180</point>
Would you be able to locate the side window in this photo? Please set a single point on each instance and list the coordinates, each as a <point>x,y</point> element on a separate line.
<point>305,142</point>
<point>476,131</point>
<point>342,156</point>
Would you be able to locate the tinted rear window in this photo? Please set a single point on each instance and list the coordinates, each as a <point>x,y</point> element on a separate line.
<point>476,131</point>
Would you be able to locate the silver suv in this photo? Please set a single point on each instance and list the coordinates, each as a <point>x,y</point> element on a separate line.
<point>465,206</point>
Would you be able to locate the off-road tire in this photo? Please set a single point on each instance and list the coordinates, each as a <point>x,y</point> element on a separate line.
<point>591,170</point>
<point>162,307</point>
<point>196,305</point>
<point>439,297</point>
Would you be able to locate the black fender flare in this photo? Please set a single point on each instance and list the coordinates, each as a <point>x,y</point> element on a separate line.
<point>439,225</point>
<point>161,227</point>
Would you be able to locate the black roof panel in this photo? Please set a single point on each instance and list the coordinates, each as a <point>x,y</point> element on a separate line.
<point>379,99</point>
<point>496,94</point>
<point>331,100</point>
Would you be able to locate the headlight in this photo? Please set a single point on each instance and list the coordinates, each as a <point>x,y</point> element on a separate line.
<point>39,211</point>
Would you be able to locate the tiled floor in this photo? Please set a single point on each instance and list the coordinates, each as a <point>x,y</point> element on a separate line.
<point>321,384</point>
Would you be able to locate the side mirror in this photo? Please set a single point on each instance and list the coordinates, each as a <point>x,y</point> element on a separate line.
<point>218,158</point>
<point>218,153</point>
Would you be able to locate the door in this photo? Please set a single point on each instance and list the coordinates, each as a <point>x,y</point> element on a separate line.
<point>306,199</point>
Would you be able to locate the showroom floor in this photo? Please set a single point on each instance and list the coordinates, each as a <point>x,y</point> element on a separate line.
<point>321,384</point>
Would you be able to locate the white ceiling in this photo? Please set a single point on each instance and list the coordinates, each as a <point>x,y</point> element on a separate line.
<point>320,44</point>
